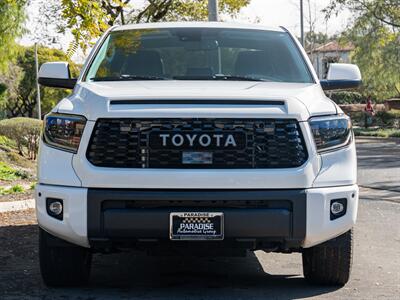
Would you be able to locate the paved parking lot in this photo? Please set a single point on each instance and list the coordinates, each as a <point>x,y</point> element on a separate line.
<point>379,163</point>
<point>376,271</point>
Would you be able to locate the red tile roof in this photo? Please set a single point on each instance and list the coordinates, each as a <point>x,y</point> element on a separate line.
<point>334,46</point>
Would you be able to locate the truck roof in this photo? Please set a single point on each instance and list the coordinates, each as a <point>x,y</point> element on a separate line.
<point>196,25</point>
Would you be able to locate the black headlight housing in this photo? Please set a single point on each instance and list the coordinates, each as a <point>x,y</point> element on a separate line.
<point>63,131</point>
<point>331,132</point>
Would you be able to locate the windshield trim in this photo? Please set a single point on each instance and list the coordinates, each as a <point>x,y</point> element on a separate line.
<point>296,44</point>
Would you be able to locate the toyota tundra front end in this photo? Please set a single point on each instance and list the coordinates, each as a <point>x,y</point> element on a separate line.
<point>180,137</point>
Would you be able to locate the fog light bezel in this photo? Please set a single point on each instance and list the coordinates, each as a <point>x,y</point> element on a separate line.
<point>50,201</point>
<point>342,201</point>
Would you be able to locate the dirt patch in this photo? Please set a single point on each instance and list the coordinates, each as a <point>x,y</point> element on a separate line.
<point>22,182</point>
<point>18,218</point>
<point>18,252</point>
<point>17,197</point>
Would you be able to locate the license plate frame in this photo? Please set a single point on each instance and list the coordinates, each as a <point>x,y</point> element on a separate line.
<point>194,233</point>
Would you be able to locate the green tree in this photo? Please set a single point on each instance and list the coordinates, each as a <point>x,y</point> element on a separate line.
<point>314,39</point>
<point>378,56</point>
<point>375,33</point>
<point>20,81</point>
<point>88,19</point>
<point>12,16</point>
<point>384,11</point>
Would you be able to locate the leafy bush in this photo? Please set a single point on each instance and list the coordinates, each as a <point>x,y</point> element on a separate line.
<point>7,173</point>
<point>395,134</point>
<point>343,97</point>
<point>15,158</point>
<point>384,133</point>
<point>6,143</point>
<point>388,119</point>
<point>383,119</point>
<point>25,132</point>
<point>12,190</point>
<point>357,118</point>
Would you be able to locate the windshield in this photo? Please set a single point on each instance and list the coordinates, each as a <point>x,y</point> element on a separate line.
<point>199,54</point>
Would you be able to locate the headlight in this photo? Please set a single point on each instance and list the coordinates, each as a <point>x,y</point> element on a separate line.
<point>331,132</point>
<point>63,131</point>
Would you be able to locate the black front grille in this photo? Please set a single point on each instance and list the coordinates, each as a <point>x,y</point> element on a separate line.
<point>270,143</point>
<point>196,204</point>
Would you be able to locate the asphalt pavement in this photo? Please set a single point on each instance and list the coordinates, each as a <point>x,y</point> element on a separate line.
<point>376,268</point>
<point>379,163</point>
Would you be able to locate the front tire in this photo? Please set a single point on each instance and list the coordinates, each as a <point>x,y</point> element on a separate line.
<point>62,263</point>
<point>330,263</point>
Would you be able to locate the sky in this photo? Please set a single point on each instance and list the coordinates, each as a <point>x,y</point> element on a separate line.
<point>287,13</point>
<point>265,12</point>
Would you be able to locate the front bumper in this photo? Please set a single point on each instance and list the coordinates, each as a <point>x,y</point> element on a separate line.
<point>291,218</point>
<point>258,216</point>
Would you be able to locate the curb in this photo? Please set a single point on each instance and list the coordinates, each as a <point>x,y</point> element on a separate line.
<point>16,205</point>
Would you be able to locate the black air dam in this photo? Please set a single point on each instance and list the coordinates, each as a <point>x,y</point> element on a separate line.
<point>115,214</point>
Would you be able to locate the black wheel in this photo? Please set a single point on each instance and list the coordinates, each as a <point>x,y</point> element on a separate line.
<point>61,263</point>
<point>329,263</point>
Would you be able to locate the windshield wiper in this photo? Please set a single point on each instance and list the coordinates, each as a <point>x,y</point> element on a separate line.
<point>238,77</point>
<point>127,77</point>
<point>219,77</point>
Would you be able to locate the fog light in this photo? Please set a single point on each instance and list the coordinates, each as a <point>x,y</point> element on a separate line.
<point>55,208</point>
<point>338,208</point>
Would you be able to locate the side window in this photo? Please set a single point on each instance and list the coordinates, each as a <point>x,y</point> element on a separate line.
<point>100,60</point>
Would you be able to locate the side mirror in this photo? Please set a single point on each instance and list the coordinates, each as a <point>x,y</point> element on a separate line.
<point>56,74</point>
<point>342,77</point>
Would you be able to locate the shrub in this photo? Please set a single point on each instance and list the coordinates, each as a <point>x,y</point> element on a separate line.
<point>6,143</point>
<point>12,190</point>
<point>25,132</point>
<point>343,97</point>
<point>370,132</point>
<point>395,134</point>
<point>357,118</point>
<point>388,119</point>
<point>16,159</point>
<point>382,119</point>
<point>7,173</point>
<point>17,189</point>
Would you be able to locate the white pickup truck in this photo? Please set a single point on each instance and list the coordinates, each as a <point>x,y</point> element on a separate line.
<point>197,138</point>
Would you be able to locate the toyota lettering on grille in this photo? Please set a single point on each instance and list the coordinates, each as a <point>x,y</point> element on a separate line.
<point>198,140</point>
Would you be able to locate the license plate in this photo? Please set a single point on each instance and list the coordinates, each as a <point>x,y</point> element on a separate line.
<point>196,226</point>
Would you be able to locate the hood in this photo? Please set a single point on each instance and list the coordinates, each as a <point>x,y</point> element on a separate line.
<point>100,99</point>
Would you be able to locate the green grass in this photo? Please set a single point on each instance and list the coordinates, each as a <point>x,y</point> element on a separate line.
<point>32,186</point>
<point>16,189</point>
<point>8,174</point>
<point>384,133</point>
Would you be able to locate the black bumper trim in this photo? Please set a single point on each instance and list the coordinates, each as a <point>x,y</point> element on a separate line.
<point>126,214</point>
